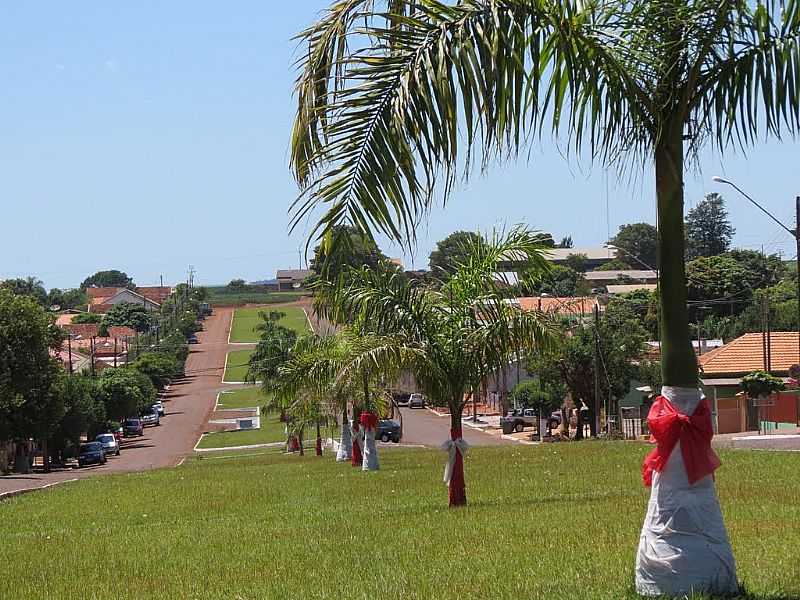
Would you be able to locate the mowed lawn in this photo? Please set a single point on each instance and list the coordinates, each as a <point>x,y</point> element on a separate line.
<point>245,321</point>
<point>237,366</point>
<point>558,521</point>
<point>272,430</point>
<point>246,397</point>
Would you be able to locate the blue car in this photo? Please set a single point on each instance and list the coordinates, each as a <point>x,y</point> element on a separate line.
<point>91,453</point>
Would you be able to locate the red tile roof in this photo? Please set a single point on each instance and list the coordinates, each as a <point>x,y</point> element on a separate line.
<point>82,330</point>
<point>155,293</point>
<point>746,354</point>
<point>580,305</point>
<point>102,292</point>
<point>120,332</point>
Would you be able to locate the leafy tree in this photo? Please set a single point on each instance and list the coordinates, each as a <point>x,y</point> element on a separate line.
<point>620,339</point>
<point>561,281</point>
<point>390,107</point>
<point>638,240</point>
<point>345,248</point>
<point>721,281</point>
<point>542,395</point>
<point>84,411</point>
<point>110,278</point>
<point>128,314</point>
<point>576,262</point>
<point>761,271</point>
<point>66,299</point>
<point>451,252</point>
<point>616,264</point>
<point>160,367</point>
<point>125,392</point>
<point>566,242</point>
<point>237,285</point>
<point>708,230</point>
<point>30,286</point>
<point>87,317</point>
<point>27,372</point>
<point>644,304</point>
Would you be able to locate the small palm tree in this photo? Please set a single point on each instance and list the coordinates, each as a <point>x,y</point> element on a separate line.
<point>451,338</point>
<point>396,97</point>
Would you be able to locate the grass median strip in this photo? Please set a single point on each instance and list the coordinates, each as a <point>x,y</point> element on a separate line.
<point>246,397</point>
<point>236,366</point>
<point>245,321</point>
<point>540,525</point>
<point>272,430</point>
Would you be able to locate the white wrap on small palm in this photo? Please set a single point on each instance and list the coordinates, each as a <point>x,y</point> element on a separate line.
<point>345,451</point>
<point>451,447</point>
<point>369,457</point>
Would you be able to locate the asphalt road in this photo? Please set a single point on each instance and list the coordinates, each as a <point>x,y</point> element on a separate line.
<point>188,405</point>
<point>421,426</point>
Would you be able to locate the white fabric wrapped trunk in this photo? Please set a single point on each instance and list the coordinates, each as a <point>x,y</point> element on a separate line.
<point>369,460</point>
<point>345,451</point>
<point>683,548</point>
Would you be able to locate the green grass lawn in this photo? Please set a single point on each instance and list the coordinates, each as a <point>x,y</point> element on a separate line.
<point>220,295</point>
<point>272,430</point>
<point>246,319</point>
<point>559,521</point>
<point>245,397</point>
<point>237,365</point>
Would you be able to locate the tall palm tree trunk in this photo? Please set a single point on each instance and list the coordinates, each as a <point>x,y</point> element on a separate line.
<point>357,457</point>
<point>454,475</point>
<point>683,548</point>
<point>318,445</point>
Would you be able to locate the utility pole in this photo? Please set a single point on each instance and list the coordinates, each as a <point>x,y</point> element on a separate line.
<point>115,353</point>
<point>797,263</point>
<point>69,350</point>
<point>91,354</point>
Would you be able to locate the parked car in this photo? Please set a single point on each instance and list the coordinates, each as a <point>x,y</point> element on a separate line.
<point>159,406</point>
<point>193,339</point>
<point>401,399</point>
<point>110,443</point>
<point>91,453</point>
<point>416,401</point>
<point>133,427</point>
<point>388,430</point>
<point>150,417</point>
<point>518,419</point>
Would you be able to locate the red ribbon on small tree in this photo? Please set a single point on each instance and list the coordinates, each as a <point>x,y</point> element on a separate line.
<point>457,489</point>
<point>369,420</point>
<point>355,458</point>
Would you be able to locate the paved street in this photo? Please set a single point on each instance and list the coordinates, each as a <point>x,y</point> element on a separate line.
<point>187,406</point>
<point>421,426</point>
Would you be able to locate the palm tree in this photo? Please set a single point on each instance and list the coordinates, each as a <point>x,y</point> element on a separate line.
<point>311,384</point>
<point>451,338</point>
<point>396,97</point>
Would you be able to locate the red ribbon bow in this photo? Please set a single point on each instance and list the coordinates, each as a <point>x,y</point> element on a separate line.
<point>668,427</point>
<point>369,420</point>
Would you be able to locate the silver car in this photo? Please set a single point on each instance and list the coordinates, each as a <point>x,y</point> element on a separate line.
<point>110,443</point>
<point>416,401</point>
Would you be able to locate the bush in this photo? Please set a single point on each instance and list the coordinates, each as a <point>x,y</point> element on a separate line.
<point>160,367</point>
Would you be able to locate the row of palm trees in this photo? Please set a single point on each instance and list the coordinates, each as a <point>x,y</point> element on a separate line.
<point>451,338</point>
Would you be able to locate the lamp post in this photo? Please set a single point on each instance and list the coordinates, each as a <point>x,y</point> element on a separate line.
<point>795,233</point>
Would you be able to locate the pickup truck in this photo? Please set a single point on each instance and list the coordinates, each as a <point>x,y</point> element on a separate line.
<point>518,419</point>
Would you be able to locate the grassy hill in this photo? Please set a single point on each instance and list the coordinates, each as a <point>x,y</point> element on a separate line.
<point>540,525</point>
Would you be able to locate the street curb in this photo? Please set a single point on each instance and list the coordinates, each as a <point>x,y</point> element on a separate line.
<point>14,493</point>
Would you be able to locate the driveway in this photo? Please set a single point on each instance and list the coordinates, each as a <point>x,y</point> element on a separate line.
<point>421,426</point>
<point>188,406</point>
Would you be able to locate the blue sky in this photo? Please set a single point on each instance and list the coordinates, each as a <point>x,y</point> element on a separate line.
<point>149,136</point>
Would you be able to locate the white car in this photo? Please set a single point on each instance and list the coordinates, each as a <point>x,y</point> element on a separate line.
<point>416,401</point>
<point>110,443</point>
<point>159,406</point>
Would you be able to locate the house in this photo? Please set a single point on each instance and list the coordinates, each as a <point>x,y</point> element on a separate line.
<point>292,279</point>
<point>84,342</point>
<point>578,306</point>
<point>102,299</point>
<point>595,257</point>
<point>627,288</point>
<point>628,276</point>
<point>722,369</point>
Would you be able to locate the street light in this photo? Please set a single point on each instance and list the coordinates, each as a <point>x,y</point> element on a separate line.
<point>792,232</point>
